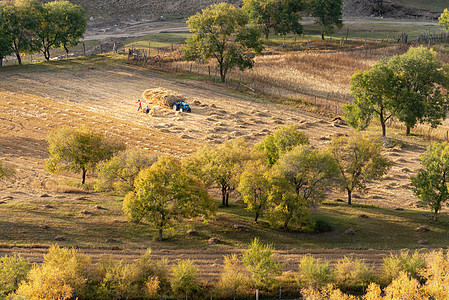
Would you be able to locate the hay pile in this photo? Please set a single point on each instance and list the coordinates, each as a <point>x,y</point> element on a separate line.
<point>156,111</point>
<point>162,97</point>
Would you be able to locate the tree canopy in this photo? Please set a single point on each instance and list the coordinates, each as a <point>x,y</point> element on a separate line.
<point>419,94</point>
<point>282,140</point>
<point>282,16</point>
<point>166,192</point>
<point>222,32</point>
<point>444,19</point>
<point>79,150</point>
<point>431,182</point>
<point>411,87</point>
<point>30,26</point>
<point>328,14</point>
<point>221,165</point>
<point>300,179</point>
<point>118,172</point>
<point>359,160</point>
<point>63,24</point>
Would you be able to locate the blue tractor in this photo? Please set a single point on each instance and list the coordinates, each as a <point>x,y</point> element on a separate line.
<point>181,106</point>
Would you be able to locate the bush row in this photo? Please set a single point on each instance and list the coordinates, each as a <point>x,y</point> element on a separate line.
<point>69,274</point>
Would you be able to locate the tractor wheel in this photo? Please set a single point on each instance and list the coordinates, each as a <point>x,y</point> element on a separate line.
<point>181,109</point>
<point>189,110</point>
<point>175,107</point>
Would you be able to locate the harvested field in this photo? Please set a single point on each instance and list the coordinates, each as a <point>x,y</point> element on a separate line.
<point>101,93</point>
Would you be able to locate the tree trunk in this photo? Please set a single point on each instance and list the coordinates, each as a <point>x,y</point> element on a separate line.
<point>286,224</point>
<point>19,59</point>
<point>322,36</point>
<point>227,198</point>
<point>66,52</point>
<point>435,215</point>
<point>46,54</point>
<point>384,129</point>
<point>257,217</point>
<point>407,130</point>
<point>160,234</point>
<point>1,61</point>
<point>84,176</point>
<point>349,196</point>
<point>223,195</point>
<point>223,76</point>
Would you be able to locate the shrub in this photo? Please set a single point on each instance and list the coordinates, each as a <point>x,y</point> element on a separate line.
<point>235,278</point>
<point>314,273</point>
<point>437,275</point>
<point>325,293</point>
<point>75,267</point>
<point>13,269</point>
<point>373,292</point>
<point>185,278</point>
<point>352,274</point>
<point>152,286</point>
<point>259,260</point>
<point>403,287</point>
<point>405,262</point>
<point>45,282</point>
<point>321,225</point>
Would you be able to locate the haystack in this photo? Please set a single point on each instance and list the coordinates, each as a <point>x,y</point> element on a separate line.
<point>163,97</point>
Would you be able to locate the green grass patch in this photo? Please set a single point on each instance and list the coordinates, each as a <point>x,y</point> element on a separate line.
<point>383,229</point>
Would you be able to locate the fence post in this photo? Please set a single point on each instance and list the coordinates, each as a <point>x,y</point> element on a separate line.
<point>190,72</point>
<point>280,292</point>
<point>149,48</point>
<point>84,48</point>
<point>257,294</point>
<point>447,133</point>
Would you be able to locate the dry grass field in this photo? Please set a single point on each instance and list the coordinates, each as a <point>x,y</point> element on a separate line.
<point>100,92</point>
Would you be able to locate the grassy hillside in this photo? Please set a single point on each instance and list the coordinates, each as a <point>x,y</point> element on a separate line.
<point>434,5</point>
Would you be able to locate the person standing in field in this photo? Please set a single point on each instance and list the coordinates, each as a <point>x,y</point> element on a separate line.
<point>140,105</point>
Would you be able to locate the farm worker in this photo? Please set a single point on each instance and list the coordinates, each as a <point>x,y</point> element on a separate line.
<point>140,105</point>
<point>147,109</point>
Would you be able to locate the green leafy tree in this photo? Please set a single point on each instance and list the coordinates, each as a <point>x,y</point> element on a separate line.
<point>118,172</point>
<point>62,25</point>
<point>259,260</point>
<point>221,32</point>
<point>373,92</point>
<point>431,183</point>
<point>444,19</point>
<point>300,180</point>
<point>282,140</point>
<point>359,160</point>
<point>79,150</point>
<point>420,91</point>
<point>6,38</point>
<point>23,20</point>
<point>328,14</point>
<point>282,16</point>
<point>254,186</point>
<point>221,165</point>
<point>411,87</point>
<point>166,192</point>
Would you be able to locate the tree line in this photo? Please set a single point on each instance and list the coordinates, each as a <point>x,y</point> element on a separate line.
<point>70,274</point>
<point>30,26</point>
<point>232,36</point>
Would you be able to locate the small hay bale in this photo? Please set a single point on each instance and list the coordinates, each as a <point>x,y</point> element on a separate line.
<point>162,97</point>
<point>350,231</point>
<point>156,111</point>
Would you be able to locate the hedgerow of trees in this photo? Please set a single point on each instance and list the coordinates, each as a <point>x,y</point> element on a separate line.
<point>30,26</point>
<point>69,274</point>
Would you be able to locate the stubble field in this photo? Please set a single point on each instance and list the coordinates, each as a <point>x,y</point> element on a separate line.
<point>100,92</point>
